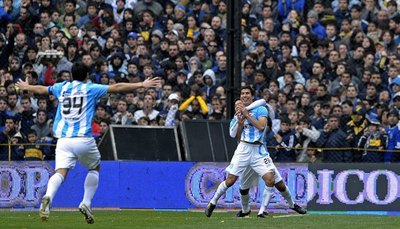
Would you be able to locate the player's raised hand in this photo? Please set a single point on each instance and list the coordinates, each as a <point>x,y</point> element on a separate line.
<point>152,82</point>
<point>23,84</point>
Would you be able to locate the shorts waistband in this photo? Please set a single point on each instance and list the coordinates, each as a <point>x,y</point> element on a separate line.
<point>252,143</point>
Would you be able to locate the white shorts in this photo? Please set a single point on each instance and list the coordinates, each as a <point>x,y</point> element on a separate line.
<point>250,178</point>
<point>248,155</point>
<point>83,149</point>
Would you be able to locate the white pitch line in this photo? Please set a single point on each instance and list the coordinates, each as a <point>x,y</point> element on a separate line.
<point>285,216</point>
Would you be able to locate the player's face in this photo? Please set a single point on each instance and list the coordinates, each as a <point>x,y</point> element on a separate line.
<point>246,97</point>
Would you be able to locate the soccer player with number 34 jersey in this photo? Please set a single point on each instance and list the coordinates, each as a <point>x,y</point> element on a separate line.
<point>72,125</point>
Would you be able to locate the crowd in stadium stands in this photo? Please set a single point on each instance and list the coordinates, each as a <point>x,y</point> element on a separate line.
<point>329,70</point>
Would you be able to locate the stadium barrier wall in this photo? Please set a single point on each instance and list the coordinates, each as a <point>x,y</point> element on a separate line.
<point>189,185</point>
<point>207,141</point>
<point>155,143</point>
<point>196,140</point>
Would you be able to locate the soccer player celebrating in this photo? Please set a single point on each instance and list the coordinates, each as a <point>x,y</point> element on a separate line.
<point>72,126</point>
<point>251,150</point>
<point>250,179</point>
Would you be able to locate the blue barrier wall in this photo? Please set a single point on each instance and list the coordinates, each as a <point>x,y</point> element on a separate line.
<point>188,185</point>
<point>163,185</point>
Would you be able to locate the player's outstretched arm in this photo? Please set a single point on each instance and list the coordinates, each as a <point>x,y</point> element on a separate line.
<point>36,89</point>
<point>257,103</point>
<point>128,87</point>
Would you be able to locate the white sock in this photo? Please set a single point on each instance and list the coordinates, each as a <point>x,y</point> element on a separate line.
<point>91,184</point>
<point>267,194</point>
<point>220,191</point>
<point>288,197</point>
<point>245,203</point>
<point>54,183</point>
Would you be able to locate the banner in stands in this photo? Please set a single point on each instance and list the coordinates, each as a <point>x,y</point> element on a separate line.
<point>188,185</point>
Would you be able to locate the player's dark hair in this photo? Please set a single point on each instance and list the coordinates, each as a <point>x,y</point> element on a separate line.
<point>247,87</point>
<point>79,71</point>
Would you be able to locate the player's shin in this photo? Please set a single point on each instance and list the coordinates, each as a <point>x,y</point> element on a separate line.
<point>91,184</point>
<point>220,191</point>
<point>267,195</point>
<point>245,197</point>
<point>53,185</point>
<point>288,197</point>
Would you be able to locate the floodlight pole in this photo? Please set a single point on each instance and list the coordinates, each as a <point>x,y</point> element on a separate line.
<point>234,57</point>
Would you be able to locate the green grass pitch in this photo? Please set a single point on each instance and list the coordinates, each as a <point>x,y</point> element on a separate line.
<point>167,219</point>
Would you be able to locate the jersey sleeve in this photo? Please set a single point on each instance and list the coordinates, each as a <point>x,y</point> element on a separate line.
<point>56,89</point>
<point>98,90</point>
<point>233,126</point>
<point>262,112</point>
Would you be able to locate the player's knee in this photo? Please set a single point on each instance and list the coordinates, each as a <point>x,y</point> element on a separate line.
<point>230,181</point>
<point>244,192</point>
<point>269,179</point>
<point>270,182</point>
<point>96,169</point>
<point>63,172</point>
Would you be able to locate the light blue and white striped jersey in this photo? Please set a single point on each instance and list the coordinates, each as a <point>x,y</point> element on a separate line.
<point>76,107</point>
<point>249,132</point>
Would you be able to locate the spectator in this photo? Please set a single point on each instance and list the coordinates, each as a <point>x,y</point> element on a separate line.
<point>286,141</point>
<point>284,7</point>
<point>10,136</point>
<point>41,126</point>
<point>355,129</point>
<point>26,114</point>
<point>100,115</point>
<point>393,132</point>
<point>123,116</point>
<point>33,150</point>
<point>372,142</point>
<point>334,143</point>
<point>220,70</point>
<point>316,28</point>
<point>357,62</point>
<point>151,5</point>
<point>307,135</point>
<point>201,53</point>
<point>147,110</point>
<point>172,109</point>
<point>209,81</point>
<point>195,104</point>
<point>3,112</point>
